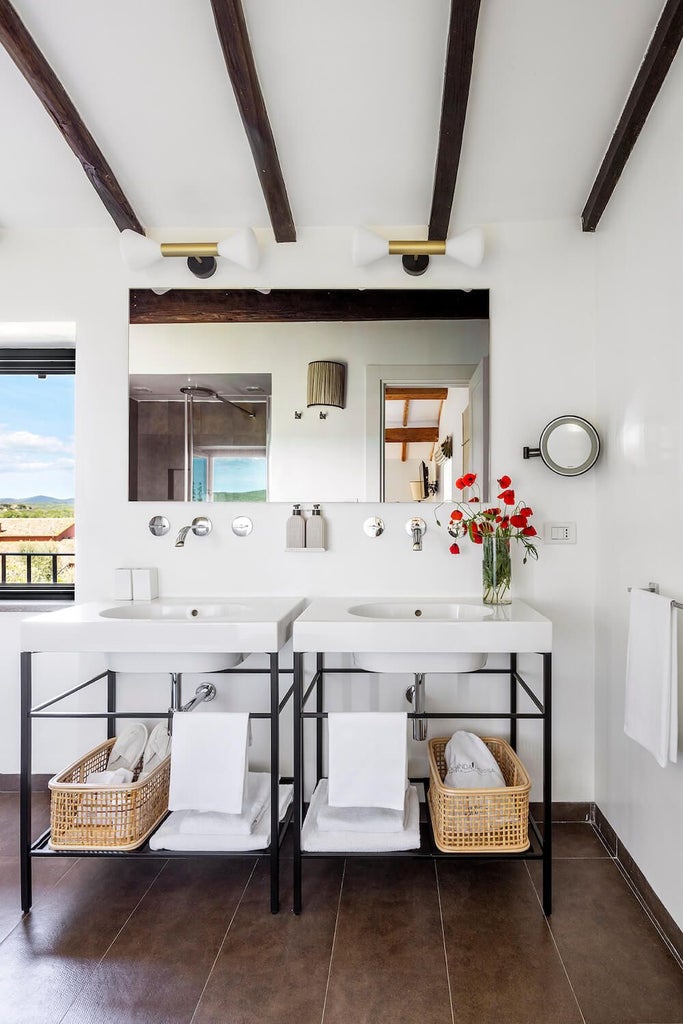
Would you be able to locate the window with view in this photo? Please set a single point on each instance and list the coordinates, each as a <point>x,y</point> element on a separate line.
<point>37,524</point>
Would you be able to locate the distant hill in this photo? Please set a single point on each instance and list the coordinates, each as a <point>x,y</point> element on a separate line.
<point>37,499</point>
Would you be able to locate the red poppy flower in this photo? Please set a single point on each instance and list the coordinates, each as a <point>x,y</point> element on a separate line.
<point>504,482</point>
<point>505,522</point>
<point>454,549</point>
<point>460,483</point>
<point>526,511</point>
<point>518,521</point>
<point>529,531</point>
<point>508,497</point>
<point>457,515</point>
<point>477,538</point>
<point>469,479</point>
<point>473,501</point>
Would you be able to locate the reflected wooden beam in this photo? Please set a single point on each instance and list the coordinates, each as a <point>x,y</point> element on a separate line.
<point>211,306</point>
<point>395,393</point>
<point>649,80</point>
<point>410,435</point>
<point>239,60</point>
<point>462,32</point>
<point>22,49</point>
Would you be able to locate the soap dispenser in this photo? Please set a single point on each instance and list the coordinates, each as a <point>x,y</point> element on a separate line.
<point>296,529</point>
<point>315,530</point>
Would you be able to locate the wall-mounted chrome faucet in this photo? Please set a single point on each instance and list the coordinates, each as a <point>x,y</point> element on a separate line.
<point>416,527</point>
<point>201,526</point>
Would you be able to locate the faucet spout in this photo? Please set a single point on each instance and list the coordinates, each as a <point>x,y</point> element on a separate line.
<point>201,526</point>
<point>180,539</point>
<point>416,528</point>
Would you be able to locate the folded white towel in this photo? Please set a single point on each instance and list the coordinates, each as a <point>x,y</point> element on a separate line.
<point>119,777</point>
<point>470,764</point>
<point>317,841</point>
<point>651,705</point>
<point>209,762</point>
<point>367,759</point>
<point>171,834</point>
<point>211,823</point>
<point>362,819</point>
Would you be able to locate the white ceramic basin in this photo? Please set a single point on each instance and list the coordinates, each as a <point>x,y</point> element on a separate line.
<point>415,611</point>
<point>168,635</point>
<point>385,634</point>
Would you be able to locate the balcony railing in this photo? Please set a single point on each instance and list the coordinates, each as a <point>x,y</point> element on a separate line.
<point>36,574</point>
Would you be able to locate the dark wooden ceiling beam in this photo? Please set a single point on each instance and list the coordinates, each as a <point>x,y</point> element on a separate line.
<point>22,49</point>
<point>410,435</point>
<point>201,305</point>
<point>239,59</point>
<point>396,393</point>
<point>653,71</point>
<point>462,33</point>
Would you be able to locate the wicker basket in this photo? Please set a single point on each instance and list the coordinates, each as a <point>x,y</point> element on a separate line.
<point>480,820</point>
<point>108,817</point>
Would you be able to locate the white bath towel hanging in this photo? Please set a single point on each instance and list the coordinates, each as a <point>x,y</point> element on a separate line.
<point>209,762</point>
<point>367,759</point>
<point>651,705</point>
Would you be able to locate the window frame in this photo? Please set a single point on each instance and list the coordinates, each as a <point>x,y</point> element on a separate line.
<point>30,362</point>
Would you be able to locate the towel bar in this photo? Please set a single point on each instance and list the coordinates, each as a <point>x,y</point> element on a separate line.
<point>653,588</point>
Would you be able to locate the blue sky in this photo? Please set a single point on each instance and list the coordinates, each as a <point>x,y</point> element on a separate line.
<point>36,436</point>
<point>239,475</point>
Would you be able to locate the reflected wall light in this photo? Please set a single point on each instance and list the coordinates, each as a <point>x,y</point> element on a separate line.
<point>326,383</point>
<point>139,252</point>
<point>467,248</point>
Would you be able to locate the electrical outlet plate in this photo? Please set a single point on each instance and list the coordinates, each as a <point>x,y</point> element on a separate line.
<point>559,533</point>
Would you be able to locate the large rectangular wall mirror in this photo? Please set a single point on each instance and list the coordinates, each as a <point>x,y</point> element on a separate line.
<point>219,383</point>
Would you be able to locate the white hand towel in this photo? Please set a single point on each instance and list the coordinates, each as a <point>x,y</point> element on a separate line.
<point>170,837</point>
<point>211,823</point>
<point>362,819</point>
<point>119,777</point>
<point>651,706</point>
<point>209,762</point>
<point>470,764</point>
<point>317,841</point>
<point>367,759</point>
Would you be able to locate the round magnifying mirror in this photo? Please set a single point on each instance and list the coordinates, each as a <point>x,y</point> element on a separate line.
<point>569,445</point>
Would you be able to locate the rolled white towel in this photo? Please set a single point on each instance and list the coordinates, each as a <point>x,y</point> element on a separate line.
<point>119,777</point>
<point>362,819</point>
<point>470,764</point>
<point>213,823</point>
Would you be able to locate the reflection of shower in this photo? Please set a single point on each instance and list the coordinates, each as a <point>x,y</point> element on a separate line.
<point>192,391</point>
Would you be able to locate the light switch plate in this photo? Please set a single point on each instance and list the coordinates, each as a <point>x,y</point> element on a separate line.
<point>559,533</point>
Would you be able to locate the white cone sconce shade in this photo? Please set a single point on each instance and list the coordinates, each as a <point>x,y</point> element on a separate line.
<point>139,252</point>
<point>467,248</point>
<point>326,384</point>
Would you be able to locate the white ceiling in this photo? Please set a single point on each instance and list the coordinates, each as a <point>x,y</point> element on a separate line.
<point>353,92</point>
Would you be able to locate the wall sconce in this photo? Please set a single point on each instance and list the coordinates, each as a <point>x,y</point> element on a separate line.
<point>467,248</point>
<point>139,252</point>
<point>326,383</point>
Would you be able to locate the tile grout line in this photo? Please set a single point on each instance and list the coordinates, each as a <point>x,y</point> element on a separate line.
<point>554,942</point>
<point>101,960</point>
<point>334,941</point>
<point>223,941</point>
<point>443,939</point>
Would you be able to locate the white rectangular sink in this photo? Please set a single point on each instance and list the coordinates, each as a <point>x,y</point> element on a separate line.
<point>409,625</point>
<point>170,634</point>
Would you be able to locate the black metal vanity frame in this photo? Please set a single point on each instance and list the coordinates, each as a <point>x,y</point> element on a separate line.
<point>40,847</point>
<point>541,842</point>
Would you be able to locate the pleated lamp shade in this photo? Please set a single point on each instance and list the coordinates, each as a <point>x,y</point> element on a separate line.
<point>326,383</point>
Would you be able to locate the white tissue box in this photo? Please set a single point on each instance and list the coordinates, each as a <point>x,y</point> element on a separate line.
<point>145,584</point>
<point>123,585</point>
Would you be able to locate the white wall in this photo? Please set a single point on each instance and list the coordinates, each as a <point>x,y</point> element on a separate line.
<point>541,278</point>
<point>640,484</point>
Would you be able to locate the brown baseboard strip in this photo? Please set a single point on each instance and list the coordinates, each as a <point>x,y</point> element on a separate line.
<point>647,895</point>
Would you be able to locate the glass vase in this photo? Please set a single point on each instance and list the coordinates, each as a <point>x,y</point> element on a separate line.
<point>496,570</point>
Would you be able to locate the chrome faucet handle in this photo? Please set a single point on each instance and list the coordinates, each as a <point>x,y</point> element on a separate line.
<point>416,527</point>
<point>201,526</point>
